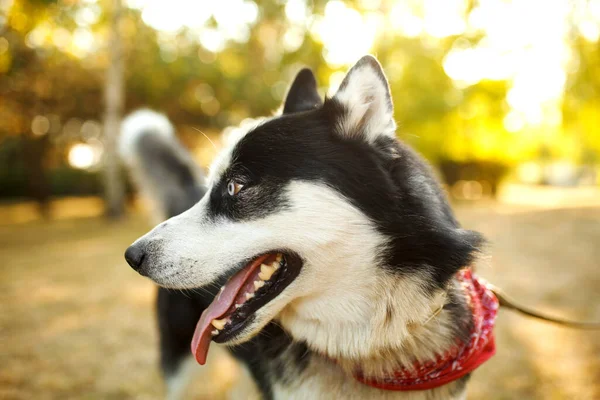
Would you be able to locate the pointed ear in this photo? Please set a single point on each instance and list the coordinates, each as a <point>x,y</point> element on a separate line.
<point>303,94</point>
<point>366,102</point>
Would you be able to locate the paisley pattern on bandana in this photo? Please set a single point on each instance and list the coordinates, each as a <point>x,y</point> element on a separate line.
<point>460,359</point>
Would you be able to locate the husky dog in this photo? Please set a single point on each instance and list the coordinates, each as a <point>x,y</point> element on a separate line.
<point>338,256</point>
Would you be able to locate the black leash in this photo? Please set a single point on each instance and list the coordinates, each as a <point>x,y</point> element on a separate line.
<point>507,302</point>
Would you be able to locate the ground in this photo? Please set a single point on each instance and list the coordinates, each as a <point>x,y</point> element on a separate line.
<point>77,323</point>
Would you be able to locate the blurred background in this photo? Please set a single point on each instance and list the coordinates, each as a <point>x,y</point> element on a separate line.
<point>503,97</point>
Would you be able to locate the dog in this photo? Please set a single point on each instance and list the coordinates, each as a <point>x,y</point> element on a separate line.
<point>331,263</point>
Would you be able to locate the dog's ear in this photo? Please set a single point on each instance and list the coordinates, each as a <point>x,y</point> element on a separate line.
<point>303,94</point>
<point>366,102</point>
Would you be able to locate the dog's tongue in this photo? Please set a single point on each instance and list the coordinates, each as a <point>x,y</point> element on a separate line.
<point>223,302</point>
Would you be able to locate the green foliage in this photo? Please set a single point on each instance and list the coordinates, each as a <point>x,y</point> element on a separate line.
<point>12,172</point>
<point>45,73</point>
<point>581,107</point>
<point>69,181</point>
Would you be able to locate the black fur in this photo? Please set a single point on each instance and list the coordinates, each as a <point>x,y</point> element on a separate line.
<point>271,357</point>
<point>303,94</point>
<point>177,315</point>
<point>387,181</point>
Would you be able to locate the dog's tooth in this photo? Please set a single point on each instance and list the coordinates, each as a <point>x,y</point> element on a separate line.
<point>238,305</point>
<point>215,332</point>
<point>279,257</point>
<point>266,271</point>
<point>219,323</point>
<point>265,268</point>
<point>249,296</point>
<point>258,284</point>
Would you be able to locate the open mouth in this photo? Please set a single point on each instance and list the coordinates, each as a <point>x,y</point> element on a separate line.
<point>261,280</point>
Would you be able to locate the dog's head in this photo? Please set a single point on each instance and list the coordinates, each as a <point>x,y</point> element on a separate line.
<point>309,217</point>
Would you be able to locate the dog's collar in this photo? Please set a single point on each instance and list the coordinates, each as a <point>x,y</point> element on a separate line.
<point>461,359</point>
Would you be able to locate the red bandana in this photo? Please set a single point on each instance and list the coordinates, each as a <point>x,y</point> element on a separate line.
<point>459,360</point>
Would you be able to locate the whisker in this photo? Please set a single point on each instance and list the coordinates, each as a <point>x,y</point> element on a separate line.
<point>206,136</point>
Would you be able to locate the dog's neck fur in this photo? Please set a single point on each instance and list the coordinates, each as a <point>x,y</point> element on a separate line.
<point>403,328</point>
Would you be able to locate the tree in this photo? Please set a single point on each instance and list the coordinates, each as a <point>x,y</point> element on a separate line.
<point>113,97</point>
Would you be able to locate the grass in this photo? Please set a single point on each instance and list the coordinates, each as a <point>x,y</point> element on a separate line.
<point>76,322</point>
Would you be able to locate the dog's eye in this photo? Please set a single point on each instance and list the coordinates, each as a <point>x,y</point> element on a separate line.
<point>233,188</point>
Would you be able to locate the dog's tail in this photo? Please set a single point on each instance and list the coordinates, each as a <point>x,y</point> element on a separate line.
<point>162,169</point>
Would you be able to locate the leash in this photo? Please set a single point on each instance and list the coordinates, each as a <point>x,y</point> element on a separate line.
<point>508,303</point>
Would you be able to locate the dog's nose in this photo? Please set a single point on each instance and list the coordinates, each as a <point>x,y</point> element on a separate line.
<point>134,255</point>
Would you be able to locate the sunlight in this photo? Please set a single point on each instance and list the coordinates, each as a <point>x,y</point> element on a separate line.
<point>335,80</point>
<point>444,17</point>
<point>296,11</point>
<point>88,15</point>
<point>212,39</point>
<point>235,25</point>
<point>532,56</point>
<point>81,156</point>
<point>83,42</point>
<point>404,21</point>
<point>345,34</point>
<point>38,36</point>
<point>84,156</point>
<point>61,38</point>
<point>464,66</point>
<point>513,121</point>
<point>588,21</point>
<point>590,30</point>
<point>293,39</point>
<point>436,18</point>
<point>175,15</point>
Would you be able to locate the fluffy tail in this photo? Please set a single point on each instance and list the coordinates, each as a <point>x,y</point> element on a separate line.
<point>161,168</point>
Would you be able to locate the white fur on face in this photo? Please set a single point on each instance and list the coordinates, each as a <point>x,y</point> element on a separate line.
<point>338,303</point>
<point>338,243</point>
<point>365,95</point>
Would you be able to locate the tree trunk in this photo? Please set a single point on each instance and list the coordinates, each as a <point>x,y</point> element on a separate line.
<point>34,154</point>
<point>113,182</point>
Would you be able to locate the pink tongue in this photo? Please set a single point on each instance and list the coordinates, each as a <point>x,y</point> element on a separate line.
<point>219,306</point>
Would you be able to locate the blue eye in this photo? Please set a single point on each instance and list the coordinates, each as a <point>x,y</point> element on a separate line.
<point>233,188</point>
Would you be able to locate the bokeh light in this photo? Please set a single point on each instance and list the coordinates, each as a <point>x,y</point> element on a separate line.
<point>85,155</point>
<point>40,125</point>
<point>345,33</point>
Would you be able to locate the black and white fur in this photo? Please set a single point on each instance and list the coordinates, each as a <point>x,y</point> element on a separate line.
<point>379,244</point>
